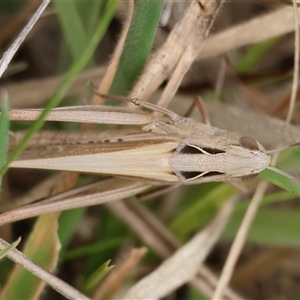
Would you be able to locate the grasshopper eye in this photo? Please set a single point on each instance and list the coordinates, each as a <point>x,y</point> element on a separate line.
<point>249,143</point>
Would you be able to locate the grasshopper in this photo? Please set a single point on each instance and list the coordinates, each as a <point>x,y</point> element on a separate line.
<point>169,150</point>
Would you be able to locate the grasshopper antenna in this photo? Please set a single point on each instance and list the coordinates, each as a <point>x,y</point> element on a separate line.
<point>283,148</point>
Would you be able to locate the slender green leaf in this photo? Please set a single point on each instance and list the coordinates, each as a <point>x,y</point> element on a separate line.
<point>67,225</point>
<point>254,55</point>
<point>90,14</point>
<point>267,200</point>
<point>270,227</point>
<point>12,246</point>
<point>94,248</point>
<point>4,127</point>
<point>72,27</point>
<point>137,45</point>
<point>194,294</point>
<point>201,211</point>
<point>97,276</point>
<point>282,181</point>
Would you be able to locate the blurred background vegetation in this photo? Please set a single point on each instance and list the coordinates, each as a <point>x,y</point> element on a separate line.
<point>62,42</point>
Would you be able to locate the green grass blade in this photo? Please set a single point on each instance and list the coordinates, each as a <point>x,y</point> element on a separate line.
<point>97,276</point>
<point>89,14</point>
<point>271,227</point>
<point>282,181</point>
<point>201,211</point>
<point>72,27</point>
<point>67,226</point>
<point>254,55</point>
<point>76,68</point>
<point>266,200</point>
<point>137,45</point>
<point>12,246</point>
<point>95,248</point>
<point>4,127</point>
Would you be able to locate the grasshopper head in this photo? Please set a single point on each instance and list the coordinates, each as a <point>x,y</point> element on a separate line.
<point>246,158</point>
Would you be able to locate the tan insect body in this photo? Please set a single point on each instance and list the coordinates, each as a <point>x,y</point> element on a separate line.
<point>172,151</point>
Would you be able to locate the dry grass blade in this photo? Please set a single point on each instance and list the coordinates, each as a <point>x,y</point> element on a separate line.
<point>296,66</point>
<point>184,264</point>
<point>240,240</point>
<point>190,31</point>
<point>112,67</point>
<point>254,31</point>
<point>40,191</point>
<point>202,27</point>
<point>147,226</point>
<point>34,93</point>
<point>18,257</point>
<point>206,282</point>
<point>93,194</point>
<point>16,23</point>
<point>8,55</point>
